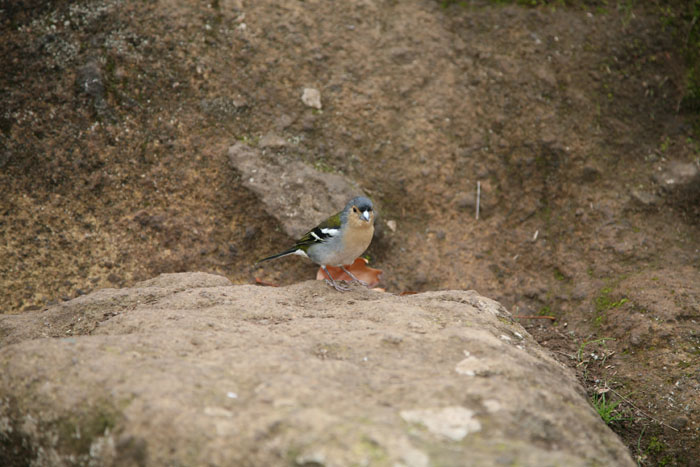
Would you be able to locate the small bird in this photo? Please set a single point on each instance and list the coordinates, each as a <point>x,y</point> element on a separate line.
<point>337,241</point>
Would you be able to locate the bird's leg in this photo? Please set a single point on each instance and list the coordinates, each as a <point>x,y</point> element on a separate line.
<point>333,283</point>
<point>353,277</point>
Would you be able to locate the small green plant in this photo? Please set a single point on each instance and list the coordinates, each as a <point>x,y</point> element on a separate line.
<point>249,140</point>
<point>604,303</point>
<point>682,23</point>
<point>322,166</point>
<point>655,446</point>
<point>447,3</point>
<point>606,409</point>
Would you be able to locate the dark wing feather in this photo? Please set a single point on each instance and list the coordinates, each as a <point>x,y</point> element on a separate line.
<point>319,234</point>
<point>313,236</point>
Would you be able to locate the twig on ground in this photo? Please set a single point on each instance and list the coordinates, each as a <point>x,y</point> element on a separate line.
<point>641,411</point>
<point>478,198</point>
<point>536,317</point>
<point>571,357</point>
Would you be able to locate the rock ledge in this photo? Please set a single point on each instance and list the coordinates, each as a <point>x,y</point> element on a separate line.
<point>187,369</point>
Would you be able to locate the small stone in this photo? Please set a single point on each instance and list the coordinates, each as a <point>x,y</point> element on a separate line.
<point>283,122</point>
<point>679,423</point>
<point>311,98</point>
<point>679,175</point>
<point>644,198</point>
<point>273,141</point>
<point>89,80</point>
<point>317,459</point>
<point>391,224</point>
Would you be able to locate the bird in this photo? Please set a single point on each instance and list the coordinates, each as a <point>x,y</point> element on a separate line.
<point>337,241</point>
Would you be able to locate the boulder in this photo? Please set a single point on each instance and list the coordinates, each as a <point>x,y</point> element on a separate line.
<point>294,193</point>
<point>188,369</point>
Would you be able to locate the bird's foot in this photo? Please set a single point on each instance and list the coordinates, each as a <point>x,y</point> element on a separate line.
<point>352,276</point>
<point>330,281</point>
<point>336,286</point>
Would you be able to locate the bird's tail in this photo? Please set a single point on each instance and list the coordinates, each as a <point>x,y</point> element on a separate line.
<point>291,251</point>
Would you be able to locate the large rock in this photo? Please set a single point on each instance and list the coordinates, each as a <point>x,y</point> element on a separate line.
<point>187,369</point>
<point>294,193</point>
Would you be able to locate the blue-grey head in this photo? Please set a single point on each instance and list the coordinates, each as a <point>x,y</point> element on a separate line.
<point>360,208</point>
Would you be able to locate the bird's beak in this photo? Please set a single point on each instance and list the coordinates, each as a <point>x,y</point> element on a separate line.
<point>365,215</point>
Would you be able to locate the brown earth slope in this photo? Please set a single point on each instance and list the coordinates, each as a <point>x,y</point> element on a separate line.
<point>116,119</point>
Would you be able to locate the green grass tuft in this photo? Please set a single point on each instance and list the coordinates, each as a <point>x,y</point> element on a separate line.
<point>606,409</point>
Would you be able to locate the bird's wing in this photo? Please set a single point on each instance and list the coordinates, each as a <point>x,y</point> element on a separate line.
<point>319,234</point>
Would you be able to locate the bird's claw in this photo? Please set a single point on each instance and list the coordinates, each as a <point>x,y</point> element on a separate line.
<point>361,282</point>
<point>355,279</point>
<point>336,286</point>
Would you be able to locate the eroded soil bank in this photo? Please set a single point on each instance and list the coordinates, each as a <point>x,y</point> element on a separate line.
<point>117,117</point>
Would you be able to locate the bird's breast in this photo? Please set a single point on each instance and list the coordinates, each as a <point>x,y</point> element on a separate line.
<point>356,244</point>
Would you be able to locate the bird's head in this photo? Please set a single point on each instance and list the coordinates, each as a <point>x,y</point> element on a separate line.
<point>360,212</point>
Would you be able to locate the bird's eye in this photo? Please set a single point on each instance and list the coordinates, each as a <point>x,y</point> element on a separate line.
<point>354,209</point>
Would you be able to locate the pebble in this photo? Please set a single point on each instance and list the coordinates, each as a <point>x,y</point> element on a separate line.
<point>678,176</point>
<point>679,423</point>
<point>283,122</point>
<point>644,198</point>
<point>311,97</point>
<point>272,141</point>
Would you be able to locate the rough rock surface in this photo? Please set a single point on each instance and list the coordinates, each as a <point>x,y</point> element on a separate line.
<point>187,369</point>
<point>292,192</point>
